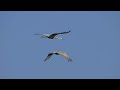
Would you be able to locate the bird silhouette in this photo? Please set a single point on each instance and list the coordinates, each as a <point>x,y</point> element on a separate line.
<point>52,36</point>
<point>63,54</point>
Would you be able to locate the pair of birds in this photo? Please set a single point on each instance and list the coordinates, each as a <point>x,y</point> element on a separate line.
<point>54,36</point>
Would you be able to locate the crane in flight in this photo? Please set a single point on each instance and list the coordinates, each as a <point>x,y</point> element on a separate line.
<point>63,54</point>
<point>52,36</point>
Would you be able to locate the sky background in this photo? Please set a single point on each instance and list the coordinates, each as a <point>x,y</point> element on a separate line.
<point>93,44</point>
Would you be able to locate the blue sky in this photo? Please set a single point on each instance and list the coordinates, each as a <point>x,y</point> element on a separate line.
<point>93,44</point>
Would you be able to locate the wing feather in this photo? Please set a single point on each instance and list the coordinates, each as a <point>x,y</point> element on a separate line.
<point>62,32</point>
<point>49,55</point>
<point>54,34</point>
<point>64,55</point>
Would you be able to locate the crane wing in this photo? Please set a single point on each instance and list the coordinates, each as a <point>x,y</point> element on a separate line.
<point>54,34</point>
<point>62,32</point>
<point>63,54</point>
<point>49,55</point>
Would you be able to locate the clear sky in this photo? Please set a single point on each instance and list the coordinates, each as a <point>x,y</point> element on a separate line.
<point>93,44</point>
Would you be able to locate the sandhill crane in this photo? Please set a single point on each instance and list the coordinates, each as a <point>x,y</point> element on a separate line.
<point>52,36</point>
<point>59,53</point>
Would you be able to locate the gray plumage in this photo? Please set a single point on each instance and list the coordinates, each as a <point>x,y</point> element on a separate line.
<point>63,54</point>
